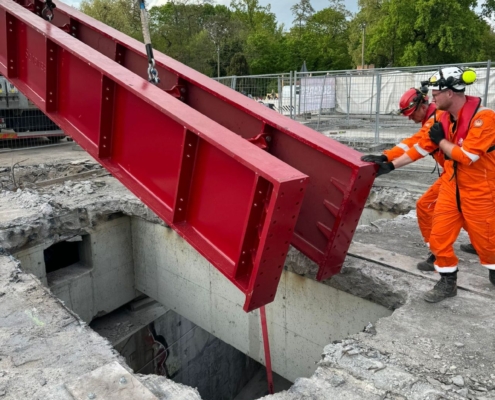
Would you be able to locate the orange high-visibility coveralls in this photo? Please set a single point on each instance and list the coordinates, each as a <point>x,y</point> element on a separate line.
<point>408,143</point>
<point>426,203</point>
<point>475,179</point>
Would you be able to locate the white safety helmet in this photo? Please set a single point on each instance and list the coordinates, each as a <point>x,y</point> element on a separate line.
<point>453,78</point>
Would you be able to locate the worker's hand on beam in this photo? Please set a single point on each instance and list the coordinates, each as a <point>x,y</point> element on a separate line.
<point>372,158</point>
<point>436,133</point>
<point>384,168</point>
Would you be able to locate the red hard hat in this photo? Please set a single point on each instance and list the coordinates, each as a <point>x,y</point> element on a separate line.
<point>410,101</point>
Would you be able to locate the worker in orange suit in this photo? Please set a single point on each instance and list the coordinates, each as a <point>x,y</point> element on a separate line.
<point>414,104</point>
<point>465,134</point>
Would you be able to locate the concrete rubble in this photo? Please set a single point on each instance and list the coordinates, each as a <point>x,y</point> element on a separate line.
<point>422,351</point>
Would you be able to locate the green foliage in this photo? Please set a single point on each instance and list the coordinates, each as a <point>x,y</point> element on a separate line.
<point>123,15</point>
<point>265,52</point>
<point>421,32</point>
<point>253,15</point>
<point>302,11</point>
<point>322,42</point>
<point>238,65</point>
<point>245,37</point>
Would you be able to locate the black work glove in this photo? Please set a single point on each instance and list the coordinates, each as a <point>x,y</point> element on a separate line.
<point>372,158</point>
<point>436,133</point>
<point>384,168</point>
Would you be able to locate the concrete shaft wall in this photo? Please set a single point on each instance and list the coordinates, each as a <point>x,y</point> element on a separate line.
<point>104,278</point>
<point>305,316</point>
<point>189,355</point>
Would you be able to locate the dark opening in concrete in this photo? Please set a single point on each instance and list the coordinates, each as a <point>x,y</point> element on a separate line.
<point>68,260</point>
<point>61,255</point>
<point>156,340</point>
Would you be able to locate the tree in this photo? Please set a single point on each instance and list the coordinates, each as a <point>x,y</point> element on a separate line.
<point>123,15</point>
<point>404,32</point>
<point>254,15</point>
<point>487,49</point>
<point>322,42</point>
<point>488,9</point>
<point>192,32</point>
<point>265,52</point>
<point>238,65</point>
<point>302,11</point>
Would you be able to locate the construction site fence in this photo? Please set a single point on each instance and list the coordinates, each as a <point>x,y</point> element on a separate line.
<point>352,105</point>
<point>358,107</point>
<point>22,124</point>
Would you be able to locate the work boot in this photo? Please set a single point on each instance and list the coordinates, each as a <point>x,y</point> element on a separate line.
<point>445,287</point>
<point>468,248</point>
<point>492,276</point>
<point>427,265</point>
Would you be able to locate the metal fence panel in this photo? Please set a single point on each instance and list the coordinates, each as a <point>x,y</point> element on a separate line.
<point>354,106</point>
<point>273,90</point>
<point>22,124</point>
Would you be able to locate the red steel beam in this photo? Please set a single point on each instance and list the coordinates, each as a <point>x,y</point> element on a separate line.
<point>339,181</point>
<point>234,203</point>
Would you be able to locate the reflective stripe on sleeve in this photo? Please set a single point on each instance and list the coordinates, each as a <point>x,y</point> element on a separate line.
<point>420,150</point>
<point>472,157</point>
<point>403,146</point>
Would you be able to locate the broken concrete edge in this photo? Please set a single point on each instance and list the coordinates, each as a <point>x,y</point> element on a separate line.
<point>351,371</point>
<point>368,281</point>
<point>47,349</point>
<point>62,222</point>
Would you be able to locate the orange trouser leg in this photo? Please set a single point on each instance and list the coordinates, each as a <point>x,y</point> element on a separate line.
<point>447,223</point>
<point>479,218</point>
<point>425,207</point>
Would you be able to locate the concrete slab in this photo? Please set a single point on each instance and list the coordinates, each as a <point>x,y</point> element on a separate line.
<point>110,382</point>
<point>34,156</point>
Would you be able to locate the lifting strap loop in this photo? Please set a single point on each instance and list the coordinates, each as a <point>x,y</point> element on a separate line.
<point>152,72</point>
<point>47,12</point>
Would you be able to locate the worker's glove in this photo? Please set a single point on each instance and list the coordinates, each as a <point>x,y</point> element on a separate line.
<point>436,133</point>
<point>372,158</point>
<point>384,168</point>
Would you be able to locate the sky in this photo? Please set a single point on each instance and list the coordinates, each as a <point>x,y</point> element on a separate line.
<point>281,8</point>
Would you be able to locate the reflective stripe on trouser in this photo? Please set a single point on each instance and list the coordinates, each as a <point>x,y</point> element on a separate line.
<point>425,207</point>
<point>477,218</point>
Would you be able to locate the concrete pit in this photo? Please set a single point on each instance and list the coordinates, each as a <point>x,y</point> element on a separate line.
<point>122,257</point>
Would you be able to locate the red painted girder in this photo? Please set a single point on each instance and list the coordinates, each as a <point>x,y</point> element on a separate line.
<point>233,202</point>
<point>339,181</point>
